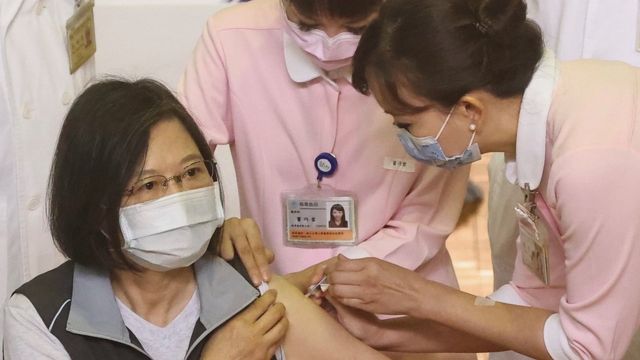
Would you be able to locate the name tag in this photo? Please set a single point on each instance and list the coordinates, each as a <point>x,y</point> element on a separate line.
<point>81,36</point>
<point>534,243</point>
<point>404,165</point>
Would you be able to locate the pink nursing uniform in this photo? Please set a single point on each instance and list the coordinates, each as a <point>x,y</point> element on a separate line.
<point>250,86</point>
<point>579,143</point>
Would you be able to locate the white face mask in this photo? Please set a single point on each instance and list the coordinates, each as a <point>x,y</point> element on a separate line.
<point>173,231</point>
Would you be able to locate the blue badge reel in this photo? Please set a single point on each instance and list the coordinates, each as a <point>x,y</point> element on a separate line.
<point>326,165</point>
<point>319,215</point>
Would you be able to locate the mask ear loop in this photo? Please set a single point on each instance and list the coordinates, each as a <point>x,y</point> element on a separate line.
<point>446,121</point>
<point>473,136</point>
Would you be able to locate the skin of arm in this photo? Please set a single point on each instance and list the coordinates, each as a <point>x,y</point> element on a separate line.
<point>311,329</point>
<point>379,287</point>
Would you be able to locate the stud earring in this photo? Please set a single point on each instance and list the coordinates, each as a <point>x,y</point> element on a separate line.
<point>472,127</point>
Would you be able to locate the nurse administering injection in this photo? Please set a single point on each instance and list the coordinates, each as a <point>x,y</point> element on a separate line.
<point>463,78</point>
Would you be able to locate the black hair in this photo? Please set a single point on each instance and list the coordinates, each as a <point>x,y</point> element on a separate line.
<point>102,144</point>
<point>342,9</point>
<point>338,207</point>
<point>442,50</point>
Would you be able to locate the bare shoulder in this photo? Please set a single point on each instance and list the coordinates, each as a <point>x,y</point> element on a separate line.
<point>311,328</point>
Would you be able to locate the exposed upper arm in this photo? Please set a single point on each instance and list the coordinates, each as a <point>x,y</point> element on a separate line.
<point>313,334</point>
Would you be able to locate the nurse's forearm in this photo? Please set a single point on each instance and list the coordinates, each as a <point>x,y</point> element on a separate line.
<point>424,336</point>
<point>508,326</point>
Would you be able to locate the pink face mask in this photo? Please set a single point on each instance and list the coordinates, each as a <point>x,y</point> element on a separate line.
<point>316,42</point>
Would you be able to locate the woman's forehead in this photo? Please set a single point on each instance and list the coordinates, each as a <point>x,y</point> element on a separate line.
<point>169,142</point>
<point>350,11</point>
<point>395,95</point>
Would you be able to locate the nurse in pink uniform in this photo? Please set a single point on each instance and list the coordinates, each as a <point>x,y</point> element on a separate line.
<point>463,77</point>
<point>273,79</point>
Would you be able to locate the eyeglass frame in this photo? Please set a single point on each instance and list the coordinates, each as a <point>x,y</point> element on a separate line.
<point>212,169</point>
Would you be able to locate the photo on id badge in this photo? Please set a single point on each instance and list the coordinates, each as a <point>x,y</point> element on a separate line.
<point>337,215</point>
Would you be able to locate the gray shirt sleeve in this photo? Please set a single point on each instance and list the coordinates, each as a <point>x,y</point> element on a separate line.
<point>26,336</point>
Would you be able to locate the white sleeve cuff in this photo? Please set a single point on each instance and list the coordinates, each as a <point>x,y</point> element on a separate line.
<point>354,252</point>
<point>263,287</point>
<point>555,340</point>
<point>506,294</point>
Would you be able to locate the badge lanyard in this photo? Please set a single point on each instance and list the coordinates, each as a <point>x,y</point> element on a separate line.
<point>319,215</point>
<point>533,236</point>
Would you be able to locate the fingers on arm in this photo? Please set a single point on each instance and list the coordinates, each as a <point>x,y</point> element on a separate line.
<point>260,306</point>
<point>242,236</point>
<point>229,232</point>
<point>270,318</point>
<point>225,249</point>
<point>347,281</point>
<point>276,335</point>
<point>256,248</point>
<point>270,255</point>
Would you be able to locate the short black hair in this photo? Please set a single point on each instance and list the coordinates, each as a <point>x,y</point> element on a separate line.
<point>442,50</point>
<point>102,143</point>
<point>341,9</point>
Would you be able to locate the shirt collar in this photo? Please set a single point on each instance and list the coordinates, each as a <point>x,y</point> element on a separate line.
<point>302,69</point>
<point>528,165</point>
<point>94,312</point>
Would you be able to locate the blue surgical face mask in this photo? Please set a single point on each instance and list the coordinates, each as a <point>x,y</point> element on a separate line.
<point>428,150</point>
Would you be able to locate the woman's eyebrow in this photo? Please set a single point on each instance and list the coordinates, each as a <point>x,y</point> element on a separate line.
<point>147,173</point>
<point>191,157</point>
<point>150,172</point>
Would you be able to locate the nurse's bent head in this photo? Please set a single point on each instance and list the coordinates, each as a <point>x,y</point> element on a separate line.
<point>332,16</point>
<point>337,9</point>
<point>441,50</point>
<point>102,146</point>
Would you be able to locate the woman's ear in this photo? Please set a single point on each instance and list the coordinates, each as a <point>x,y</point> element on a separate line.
<point>472,108</point>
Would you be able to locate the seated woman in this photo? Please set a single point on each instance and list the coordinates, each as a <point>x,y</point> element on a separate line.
<point>134,205</point>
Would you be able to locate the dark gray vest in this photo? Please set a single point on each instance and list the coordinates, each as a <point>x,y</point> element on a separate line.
<point>50,294</point>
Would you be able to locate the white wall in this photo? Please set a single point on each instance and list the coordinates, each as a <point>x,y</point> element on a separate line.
<point>155,38</point>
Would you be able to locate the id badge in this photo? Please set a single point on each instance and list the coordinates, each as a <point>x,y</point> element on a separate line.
<point>81,36</point>
<point>319,217</point>
<point>534,245</point>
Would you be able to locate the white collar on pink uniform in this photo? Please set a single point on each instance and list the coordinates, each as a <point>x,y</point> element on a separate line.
<point>302,69</point>
<point>528,165</point>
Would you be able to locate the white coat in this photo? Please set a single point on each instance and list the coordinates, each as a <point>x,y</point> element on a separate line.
<point>35,93</point>
<point>590,29</point>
